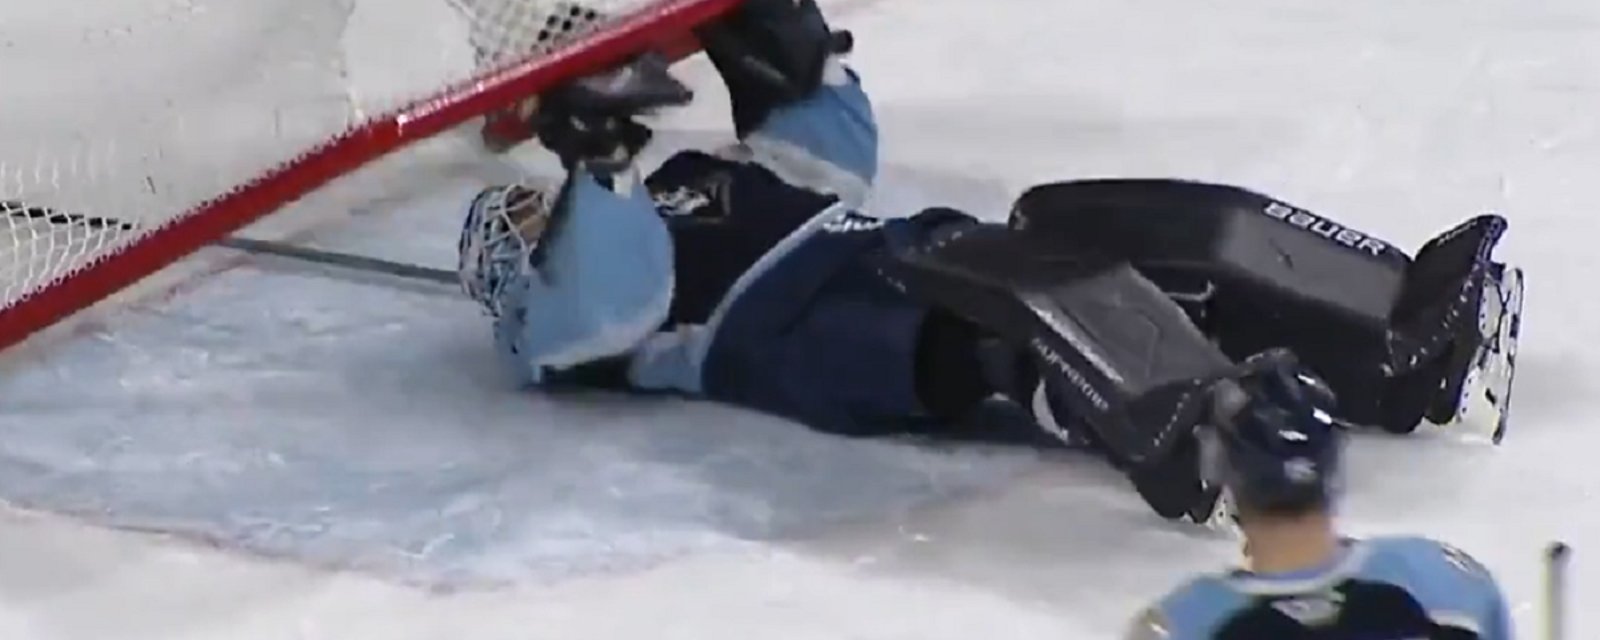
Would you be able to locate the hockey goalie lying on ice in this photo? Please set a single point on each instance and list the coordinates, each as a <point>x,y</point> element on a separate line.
<point>1098,315</point>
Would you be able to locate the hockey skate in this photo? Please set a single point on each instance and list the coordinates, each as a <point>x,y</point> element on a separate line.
<point>1453,351</point>
<point>1477,401</point>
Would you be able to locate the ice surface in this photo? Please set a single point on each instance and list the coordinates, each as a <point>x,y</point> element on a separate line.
<point>1400,117</point>
<point>358,425</point>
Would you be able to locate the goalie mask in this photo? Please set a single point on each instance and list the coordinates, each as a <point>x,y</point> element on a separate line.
<point>499,238</point>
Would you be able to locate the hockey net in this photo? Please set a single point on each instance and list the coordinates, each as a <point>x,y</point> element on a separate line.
<point>135,132</point>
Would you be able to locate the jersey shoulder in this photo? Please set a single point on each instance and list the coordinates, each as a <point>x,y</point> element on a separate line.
<point>1425,558</point>
<point>1443,578</point>
<point>1191,610</point>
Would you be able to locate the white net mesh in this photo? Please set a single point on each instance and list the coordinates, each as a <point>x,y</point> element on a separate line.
<point>121,117</point>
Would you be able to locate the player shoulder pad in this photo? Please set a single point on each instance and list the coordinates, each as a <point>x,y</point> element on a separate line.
<point>1445,579</point>
<point>1419,549</point>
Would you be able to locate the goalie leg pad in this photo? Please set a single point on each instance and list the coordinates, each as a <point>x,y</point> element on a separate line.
<point>1400,338</point>
<point>1123,357</point>
<point>1259,273</point>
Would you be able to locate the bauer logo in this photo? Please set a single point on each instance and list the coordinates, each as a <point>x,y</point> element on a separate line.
<point>1327,229</point>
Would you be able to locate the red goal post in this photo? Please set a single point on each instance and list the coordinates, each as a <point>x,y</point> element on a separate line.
<point>41,290</point>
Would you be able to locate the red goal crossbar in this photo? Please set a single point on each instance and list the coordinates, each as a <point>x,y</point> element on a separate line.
<point>660,24</point>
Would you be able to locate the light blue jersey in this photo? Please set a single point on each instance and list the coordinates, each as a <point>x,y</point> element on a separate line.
<point>1399,588</point>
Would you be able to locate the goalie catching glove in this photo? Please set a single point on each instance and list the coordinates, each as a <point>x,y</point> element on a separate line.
<point>591,122</point>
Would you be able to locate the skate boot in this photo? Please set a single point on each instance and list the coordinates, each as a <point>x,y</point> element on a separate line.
<point>1452,355</point>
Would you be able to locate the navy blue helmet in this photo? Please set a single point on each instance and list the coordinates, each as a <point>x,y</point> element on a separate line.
<point>1276,447</point>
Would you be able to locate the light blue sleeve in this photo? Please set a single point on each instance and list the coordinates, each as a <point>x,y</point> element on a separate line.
<point>827,143</point>
<point>1190,612</point>
<point>603,285</point>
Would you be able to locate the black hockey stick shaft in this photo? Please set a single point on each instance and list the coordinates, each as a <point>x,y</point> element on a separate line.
<point>342,260</point>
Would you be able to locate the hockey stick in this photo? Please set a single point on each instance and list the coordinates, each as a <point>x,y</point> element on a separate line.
<point>1556,558</point>
<point>342,260</point>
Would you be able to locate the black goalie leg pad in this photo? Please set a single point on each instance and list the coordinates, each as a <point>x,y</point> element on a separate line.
<point>1123,357</point>
<point>1399,339</point>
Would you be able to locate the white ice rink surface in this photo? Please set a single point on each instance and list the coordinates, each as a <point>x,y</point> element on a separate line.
<point>1395,116</point>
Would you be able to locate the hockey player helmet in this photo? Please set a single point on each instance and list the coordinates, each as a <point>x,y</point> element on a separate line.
<point>1272,443</point>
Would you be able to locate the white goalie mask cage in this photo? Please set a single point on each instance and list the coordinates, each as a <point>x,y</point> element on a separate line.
<point>501,232</point>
